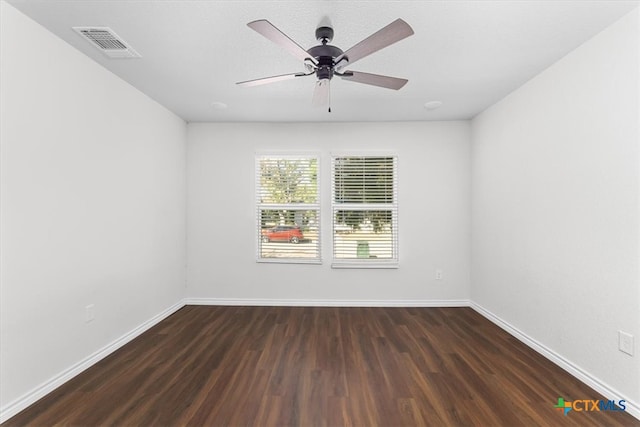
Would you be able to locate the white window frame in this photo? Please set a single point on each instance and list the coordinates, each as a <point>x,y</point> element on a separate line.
<point>289,206</point>
<point>392,262</point>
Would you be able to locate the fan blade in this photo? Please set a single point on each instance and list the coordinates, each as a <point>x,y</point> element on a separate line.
<point>321,94</point>
<point>267,80</point>
<point>268,30</point>
<point>384,37</point>
<point>374,79</point>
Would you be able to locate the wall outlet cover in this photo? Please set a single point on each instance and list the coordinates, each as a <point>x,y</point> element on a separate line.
<point>89,313</point>
<point>625,342</point>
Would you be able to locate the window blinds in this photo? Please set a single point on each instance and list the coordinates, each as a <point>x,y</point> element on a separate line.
<point>287,208</point>
<point>365,211</point>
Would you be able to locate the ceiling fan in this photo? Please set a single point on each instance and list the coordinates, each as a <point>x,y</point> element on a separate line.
<point>326,61</point>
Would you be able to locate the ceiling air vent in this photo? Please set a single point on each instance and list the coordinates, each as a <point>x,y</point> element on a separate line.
<point>107,42</point>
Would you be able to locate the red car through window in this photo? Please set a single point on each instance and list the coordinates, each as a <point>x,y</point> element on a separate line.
<point>282,233</point>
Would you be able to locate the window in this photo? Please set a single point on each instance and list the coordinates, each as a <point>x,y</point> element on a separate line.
<point>365,211</point>
<point>288,209</point>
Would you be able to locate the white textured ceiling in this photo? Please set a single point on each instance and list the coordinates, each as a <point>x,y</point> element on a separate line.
<point>467,54</point>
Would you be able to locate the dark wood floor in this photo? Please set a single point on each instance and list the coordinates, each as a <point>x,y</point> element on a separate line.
<point>260,366</point>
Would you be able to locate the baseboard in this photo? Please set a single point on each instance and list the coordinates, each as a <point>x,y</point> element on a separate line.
<point>633,408</point>
<point>326,302</point>
<point>47,387</point>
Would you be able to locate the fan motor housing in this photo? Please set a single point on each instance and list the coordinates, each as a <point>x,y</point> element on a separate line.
<point>325,55</point>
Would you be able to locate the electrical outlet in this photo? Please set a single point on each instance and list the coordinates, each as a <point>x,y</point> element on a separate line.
<point>89,313</point>
<point>625,343</point>
<point>439,274</point>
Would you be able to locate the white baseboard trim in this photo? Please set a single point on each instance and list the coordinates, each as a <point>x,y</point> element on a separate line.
<point>633,408</point>
<point>12,408</point>
<point>326,302</point>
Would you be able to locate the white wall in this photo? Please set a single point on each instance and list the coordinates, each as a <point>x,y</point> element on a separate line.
<point>433,212</point>
<point>555,207</point>
<point>92,208</point>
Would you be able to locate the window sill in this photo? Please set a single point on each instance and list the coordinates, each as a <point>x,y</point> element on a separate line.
<point>365,264</point>
<point>288,261</point>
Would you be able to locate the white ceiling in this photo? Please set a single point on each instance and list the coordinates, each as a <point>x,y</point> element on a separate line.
<point>467,54</point>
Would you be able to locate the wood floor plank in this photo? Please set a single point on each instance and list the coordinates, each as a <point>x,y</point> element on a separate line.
<point>320,366</point>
